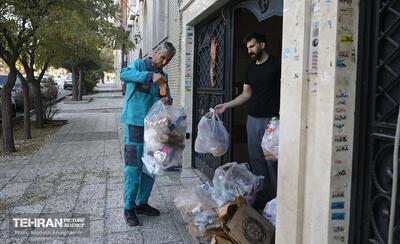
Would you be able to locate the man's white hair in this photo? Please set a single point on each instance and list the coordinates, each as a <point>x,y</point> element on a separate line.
<point>166,47</point>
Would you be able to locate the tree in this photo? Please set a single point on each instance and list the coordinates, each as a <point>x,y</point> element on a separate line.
<point>15,31</point>
<point>85,32</point>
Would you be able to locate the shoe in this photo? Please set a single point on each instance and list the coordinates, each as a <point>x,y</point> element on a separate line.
<point>146,209</point>
<point>130,217</point>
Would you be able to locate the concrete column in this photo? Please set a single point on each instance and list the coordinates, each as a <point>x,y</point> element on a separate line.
<point>317,121</point>
<point>293,119</point>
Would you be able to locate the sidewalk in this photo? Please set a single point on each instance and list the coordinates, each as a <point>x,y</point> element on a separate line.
<point>80,172</point>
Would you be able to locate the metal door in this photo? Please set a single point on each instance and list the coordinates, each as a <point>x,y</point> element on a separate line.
<point>378,103</point>
<point>208,91</point>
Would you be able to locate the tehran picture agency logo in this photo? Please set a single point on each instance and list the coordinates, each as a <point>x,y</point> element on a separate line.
<point>48,222</point>
<point>49,225</point>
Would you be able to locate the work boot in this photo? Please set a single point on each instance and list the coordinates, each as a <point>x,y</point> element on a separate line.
<point>130,217</point>
<point>146,209</point>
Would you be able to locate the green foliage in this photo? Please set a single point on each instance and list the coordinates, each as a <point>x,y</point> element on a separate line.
<point>65,32</point>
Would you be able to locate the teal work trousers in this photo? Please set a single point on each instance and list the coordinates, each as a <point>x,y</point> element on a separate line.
<point>137,185</point>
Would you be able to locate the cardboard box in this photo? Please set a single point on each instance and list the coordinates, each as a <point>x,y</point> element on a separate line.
<point>249,227</point>
<point>243,224</point>
<point>222,239</point>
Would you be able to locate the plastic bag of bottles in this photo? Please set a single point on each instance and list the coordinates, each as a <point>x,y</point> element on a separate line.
<point>197,206</point>
<point>164,137</point>
<point>212,136</point>
<point>233,179</point>
<point>270,141</point>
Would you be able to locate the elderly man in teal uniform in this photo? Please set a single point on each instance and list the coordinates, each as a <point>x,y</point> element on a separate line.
<point>143,79</point>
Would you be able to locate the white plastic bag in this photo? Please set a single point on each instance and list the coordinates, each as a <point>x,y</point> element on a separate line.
<point>270,141</point>
<point>164,137</point>
<point>269,211</point>
<point>233,179</point>
<point>212,136</point>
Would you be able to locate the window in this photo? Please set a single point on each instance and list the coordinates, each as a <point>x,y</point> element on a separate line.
<point>160,21</point>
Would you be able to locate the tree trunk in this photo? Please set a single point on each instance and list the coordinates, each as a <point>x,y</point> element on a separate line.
<point>8,133</point>
<point>27,109</point>
<point>80,85</point>
<point>37,95</point>
<point>74,83</point>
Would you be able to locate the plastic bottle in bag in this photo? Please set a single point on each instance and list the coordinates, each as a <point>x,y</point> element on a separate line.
<point>270,141</point>
<point>164,138</point>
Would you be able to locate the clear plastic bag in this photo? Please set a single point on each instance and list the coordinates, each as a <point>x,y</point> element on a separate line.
<point>212,136</point>
<point>270,141</point>
<point>269,211</point>
<point>164,137</point>
<point>233,179</point>
<point>197,206</point>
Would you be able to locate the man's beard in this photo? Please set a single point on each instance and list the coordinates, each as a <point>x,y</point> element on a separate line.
<point>256,56</point>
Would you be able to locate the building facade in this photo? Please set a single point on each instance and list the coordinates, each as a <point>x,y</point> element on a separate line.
<point>340,93</point>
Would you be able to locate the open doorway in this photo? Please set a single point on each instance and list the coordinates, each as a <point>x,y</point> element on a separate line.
<point>245,22</point>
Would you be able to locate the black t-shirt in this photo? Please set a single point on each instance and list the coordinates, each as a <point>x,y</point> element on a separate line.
<point>264,80</point>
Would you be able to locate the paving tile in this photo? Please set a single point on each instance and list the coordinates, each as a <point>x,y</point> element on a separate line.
<point>161,234</point>
<point>95,178</point>
<point>186,237</point>
<point>71,176</point>
<point>169,193</point>
<point>168,180</point>
<point>13,190</point>
<point>92,191</point>
<point>115,221</point>
<point>125,237</point>
<point>61,203</point>
<point>67,187</point>
<point>94,207</point>
<point>188,182</point>
<point>148,222</point>
<point>115,199</point>
<point>29,209</point>
<point>115,186</point>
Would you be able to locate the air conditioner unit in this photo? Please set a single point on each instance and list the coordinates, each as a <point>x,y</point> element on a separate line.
<point>129,23</point>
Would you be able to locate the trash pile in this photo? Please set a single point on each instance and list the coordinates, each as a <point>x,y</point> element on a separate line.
<point>217,213</point>
<point>212,136</point>
<point>270,141</point>
<point>164,138</point>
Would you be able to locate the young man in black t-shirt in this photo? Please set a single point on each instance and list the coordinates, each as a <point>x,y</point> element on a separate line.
<point>262,91</point>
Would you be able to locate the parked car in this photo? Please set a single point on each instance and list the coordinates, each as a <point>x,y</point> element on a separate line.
<point>68,82</point>
<point>48,89</point>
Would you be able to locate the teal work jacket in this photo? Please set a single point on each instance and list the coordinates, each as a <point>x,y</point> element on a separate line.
<point>141,93</point>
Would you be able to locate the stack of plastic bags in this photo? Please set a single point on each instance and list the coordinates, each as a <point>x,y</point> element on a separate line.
<point>270,141</point>
<point>199,205</point>
<point>212,136</point>
<point>164,137</point>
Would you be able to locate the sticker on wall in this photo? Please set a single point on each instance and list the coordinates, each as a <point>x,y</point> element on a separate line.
<point>285,53</point>
<point>340,63</point>
<point>346,39</point>
<point>313,59</point>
